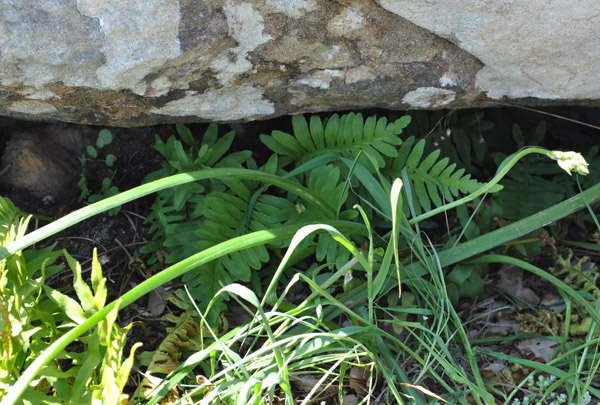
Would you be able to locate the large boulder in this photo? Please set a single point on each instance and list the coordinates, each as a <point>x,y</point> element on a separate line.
<point>142,62</point>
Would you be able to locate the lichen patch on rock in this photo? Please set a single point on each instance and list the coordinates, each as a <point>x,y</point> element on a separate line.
<point>345,23</point>
<point>32,107</point>
<point>429,97</point>
<point>226,104</point>
<point>139,37</point>
<point>246,26</point>
<point>291,8</point>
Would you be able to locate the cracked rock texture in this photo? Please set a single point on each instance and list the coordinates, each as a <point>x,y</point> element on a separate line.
<point>143,62</point>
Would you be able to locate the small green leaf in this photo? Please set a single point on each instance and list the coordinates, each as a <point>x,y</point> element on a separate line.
<point>105,137</point>
<point>96,271</point>
<point>219,148</point>
<point>92,360</point>
<point>316,129</point>
<point>91,151</point>
<point>401,123</point>
<point>106,325</point>
<point>211,134</point>
<point>472,287</point>
<point>453,295</point>
<point>331,130</point>
<point>67,304</point>
<point>538,134</point>
<point>182,194</point>
<point>84,293</point>
<point>185,134</point>
<point>110,160</point>
<point>459,274</point>
<point>98,283</point>
<point>123,372</point>
<point>271,165</point>
<point>518,136</point>
<point>302,133</point>
<point>181,155</point>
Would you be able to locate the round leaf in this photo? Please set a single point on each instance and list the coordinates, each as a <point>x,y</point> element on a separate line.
<point>91,151</point>
<point>104,138</point>
<point>110,160</point>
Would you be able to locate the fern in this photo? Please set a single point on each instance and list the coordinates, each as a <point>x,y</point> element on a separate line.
<point>325,182</point>
<point>183,338</point>
<point>195,217</point>
<point>345,136</point>
<point>431,182</point>
<point>579,274</point>
<point>163,215</point>
<point>224,217</point>
<point>223,220</point>
<point>463,138</point>
<point>8,216</point>
<point>172,208</point>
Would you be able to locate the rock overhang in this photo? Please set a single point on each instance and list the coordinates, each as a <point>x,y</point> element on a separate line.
<point>161,61</point>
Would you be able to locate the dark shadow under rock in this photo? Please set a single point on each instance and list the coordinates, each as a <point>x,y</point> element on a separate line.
<point>43,161</point>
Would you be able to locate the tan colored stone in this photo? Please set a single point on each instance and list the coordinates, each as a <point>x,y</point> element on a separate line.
<point>145,62</point>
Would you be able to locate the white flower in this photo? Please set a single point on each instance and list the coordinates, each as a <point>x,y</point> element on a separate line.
<point>570,161</point>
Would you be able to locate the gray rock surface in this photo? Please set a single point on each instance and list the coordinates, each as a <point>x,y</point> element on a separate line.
<point>142,62</point>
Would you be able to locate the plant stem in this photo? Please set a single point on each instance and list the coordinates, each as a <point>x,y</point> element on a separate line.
<point>504,168</point>
<point>157,185</point>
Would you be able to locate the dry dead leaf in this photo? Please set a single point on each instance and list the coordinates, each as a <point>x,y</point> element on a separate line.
<point>359,380</point>
<point>157,300</point>
<point>550,299</point>
<point>494,372</point>
<point>511,279</point>
<point>306,383</point>
<point>350,400</point>
<point>504,327</point>
<point>542,348</point>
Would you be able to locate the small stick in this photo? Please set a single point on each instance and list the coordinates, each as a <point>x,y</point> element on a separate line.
<point>553,115</point>
<point>5,169</point>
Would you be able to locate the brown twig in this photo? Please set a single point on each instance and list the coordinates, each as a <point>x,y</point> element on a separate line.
<point>553,115</point>
<point>5,169</point>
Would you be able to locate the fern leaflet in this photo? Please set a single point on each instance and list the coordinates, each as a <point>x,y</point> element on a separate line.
<point>432,181</point>
<point>345,136</point>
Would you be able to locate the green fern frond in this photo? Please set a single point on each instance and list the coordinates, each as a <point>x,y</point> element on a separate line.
<point>325,182</point>
<point>163,214</point>
<point>431,181</point>
<point>271,210</point>
<point>175,210</point>
<point>224,218</point>
<point>179,240</point>
<point>9,213</point>
<point>345,136</point>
